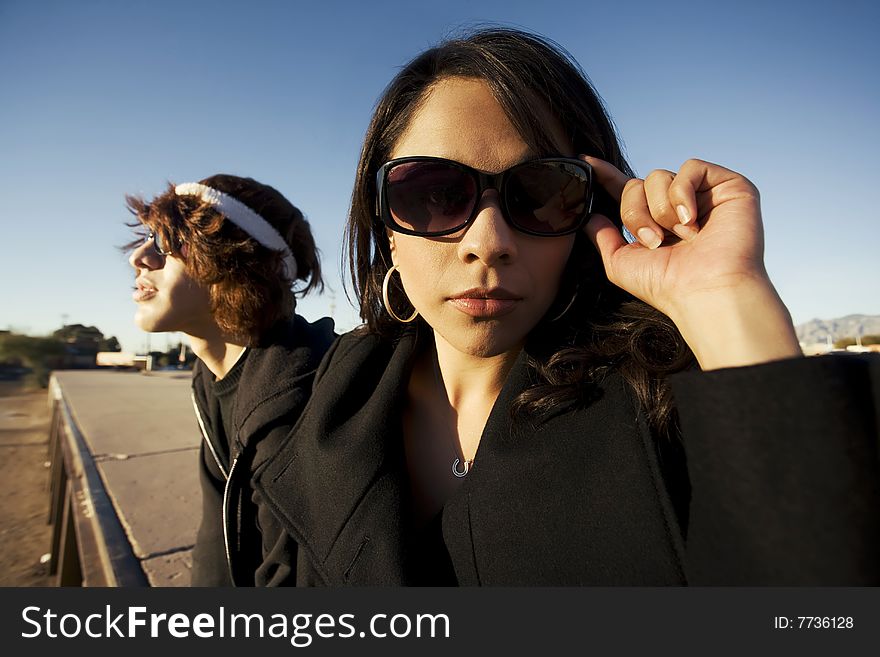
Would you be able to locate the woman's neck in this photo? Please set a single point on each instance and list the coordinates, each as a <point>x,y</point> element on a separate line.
<point>451,396</point>
<point>216,350</point>
<point>472,380</point>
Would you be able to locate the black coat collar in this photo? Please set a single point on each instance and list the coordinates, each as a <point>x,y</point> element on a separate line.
<point>274,375</point>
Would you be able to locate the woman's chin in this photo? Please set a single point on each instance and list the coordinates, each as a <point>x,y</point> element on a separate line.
<point>148,323</point>
<point>484,341</point>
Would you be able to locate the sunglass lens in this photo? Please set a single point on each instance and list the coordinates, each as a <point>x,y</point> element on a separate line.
<point>430,197</point>
<point>158,242</point>
<point>547,198</point>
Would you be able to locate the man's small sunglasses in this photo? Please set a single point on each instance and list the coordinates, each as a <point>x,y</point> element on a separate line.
<point>159,244</point>
<point>432,196</point>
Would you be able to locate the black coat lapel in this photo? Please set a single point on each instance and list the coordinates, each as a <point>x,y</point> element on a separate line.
<point>338,484</point>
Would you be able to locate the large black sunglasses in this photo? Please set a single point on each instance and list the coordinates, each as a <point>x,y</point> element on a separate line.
<point>432,196</point>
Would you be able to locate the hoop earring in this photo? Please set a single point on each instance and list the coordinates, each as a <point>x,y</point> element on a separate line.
<point>568,307</point>
<point>387,303</point>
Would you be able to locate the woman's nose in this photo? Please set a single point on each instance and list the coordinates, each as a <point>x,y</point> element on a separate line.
<point>146,257</point>
<point>489,238</point>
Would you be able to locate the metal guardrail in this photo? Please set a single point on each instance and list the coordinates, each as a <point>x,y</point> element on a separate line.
<point>89,545</point>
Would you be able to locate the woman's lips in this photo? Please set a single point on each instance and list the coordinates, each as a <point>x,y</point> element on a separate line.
<point>143,291</point>
<point>143,295</point>
<point>490,308</point>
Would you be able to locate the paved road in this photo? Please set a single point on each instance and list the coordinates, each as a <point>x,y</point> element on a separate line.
<point>144,438</point>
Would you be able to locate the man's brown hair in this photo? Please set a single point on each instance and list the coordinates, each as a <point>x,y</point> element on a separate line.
<point>248,289</point>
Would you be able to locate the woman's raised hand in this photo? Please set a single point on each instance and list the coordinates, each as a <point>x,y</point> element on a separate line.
<point>699,259</point>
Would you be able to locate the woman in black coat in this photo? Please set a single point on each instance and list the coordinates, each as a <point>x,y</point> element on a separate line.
<point>536,400</point>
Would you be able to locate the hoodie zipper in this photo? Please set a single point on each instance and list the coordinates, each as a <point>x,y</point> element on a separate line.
<point>207,439</point>
<point>225,518</point>
<point>228,477</point>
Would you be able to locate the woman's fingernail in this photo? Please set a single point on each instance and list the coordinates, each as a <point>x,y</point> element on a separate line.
<point>687,233</point>
<point>683,215</point>
<point>649,238</point>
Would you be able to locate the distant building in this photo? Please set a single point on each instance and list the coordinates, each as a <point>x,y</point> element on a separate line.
<point>820,348</point>
<point>859,348</point>
<point>816,348</point>
<point>114,359</point>
<point>123,360</point>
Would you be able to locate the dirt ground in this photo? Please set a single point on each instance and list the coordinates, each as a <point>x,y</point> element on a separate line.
<point>24,496</point>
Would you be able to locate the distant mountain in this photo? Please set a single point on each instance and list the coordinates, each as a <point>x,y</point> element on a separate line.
<point>851,326</point>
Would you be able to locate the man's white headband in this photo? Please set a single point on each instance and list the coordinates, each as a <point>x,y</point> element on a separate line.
<point>245,218</point>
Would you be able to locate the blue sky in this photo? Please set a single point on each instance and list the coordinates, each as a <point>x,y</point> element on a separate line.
<point>100,99</point>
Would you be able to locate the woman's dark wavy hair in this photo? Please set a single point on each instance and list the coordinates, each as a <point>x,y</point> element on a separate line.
<point>247,288</point>
<point>606,328</point>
